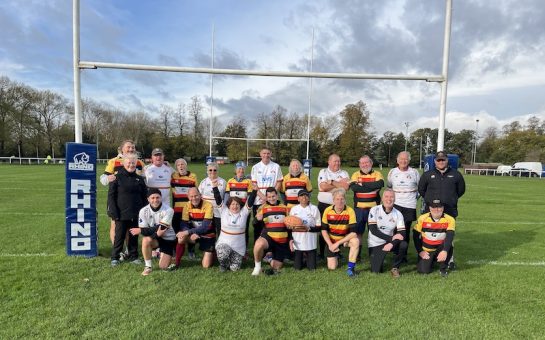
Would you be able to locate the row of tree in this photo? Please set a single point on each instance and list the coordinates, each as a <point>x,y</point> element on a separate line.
<point>36,123</point>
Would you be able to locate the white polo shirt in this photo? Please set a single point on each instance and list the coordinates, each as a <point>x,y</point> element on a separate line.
<point>265,176</point>
<point>405,186</point>
<point>159,177</point>
<point>327,175</point>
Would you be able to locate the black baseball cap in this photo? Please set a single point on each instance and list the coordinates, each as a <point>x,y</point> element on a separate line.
<point>303,192</point>
<point>441,155</point>
<point>435,203</point>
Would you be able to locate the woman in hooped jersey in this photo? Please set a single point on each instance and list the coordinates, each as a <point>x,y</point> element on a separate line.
<point>239,186</point>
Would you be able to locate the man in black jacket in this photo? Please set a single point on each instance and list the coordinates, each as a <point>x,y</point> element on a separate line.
<point>126,196</point>
<point>443,183</point>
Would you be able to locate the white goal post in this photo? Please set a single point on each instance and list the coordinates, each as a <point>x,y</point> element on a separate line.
<point>79,65</point>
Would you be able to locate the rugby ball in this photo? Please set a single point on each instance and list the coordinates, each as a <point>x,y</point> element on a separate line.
<point>293,222</point>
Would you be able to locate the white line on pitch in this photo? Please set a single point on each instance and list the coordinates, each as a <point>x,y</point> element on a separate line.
<point>33,213</point>
<point>508,263</point>
<point>26,255</point>
<point>500,222</point>
<point>35,189</point>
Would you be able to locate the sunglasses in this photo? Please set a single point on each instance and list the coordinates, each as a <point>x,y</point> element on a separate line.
<point>440,160</point>
<point>212,170</point>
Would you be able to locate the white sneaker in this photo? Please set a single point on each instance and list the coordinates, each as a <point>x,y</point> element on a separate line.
<point>147,271</point>
<point>257,271</point>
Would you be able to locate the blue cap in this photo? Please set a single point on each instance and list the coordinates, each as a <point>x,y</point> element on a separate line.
<point>240,164</point>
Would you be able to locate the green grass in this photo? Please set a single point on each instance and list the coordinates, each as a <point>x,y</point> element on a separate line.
<point>498,291</point>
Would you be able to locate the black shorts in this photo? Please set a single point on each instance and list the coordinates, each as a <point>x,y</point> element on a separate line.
<point>329,253</point>
<point>207,244</point>
<point>167,246</point>
<point>408,214</point>
<point>280,251</point>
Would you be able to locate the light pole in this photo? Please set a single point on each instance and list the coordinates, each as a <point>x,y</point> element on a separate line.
<point>475,142</point>
<point>406,134</point>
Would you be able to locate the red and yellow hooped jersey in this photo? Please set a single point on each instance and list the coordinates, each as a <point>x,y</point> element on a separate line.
<point>179,187</point>
<point>291,186</point>
<point>367,199</point>
<point>434,233</point>
<point>273,219</point>
<point>195,217</point>
<point>338,225</point>
<point>239,189</point>
<point>116,163</point>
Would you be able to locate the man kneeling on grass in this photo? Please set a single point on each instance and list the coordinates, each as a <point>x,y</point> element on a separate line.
<point>154,223</point>
<point>384,220</point>
<point>433,237</point>
<point>197,226</point>
<point>275,237</point>
<point>339,229</point>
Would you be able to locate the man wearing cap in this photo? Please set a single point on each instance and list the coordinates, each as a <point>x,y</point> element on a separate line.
<point>294,182</point>
<point>158,175</point>
<point>445,184</point>
<point>154,224</point>
<point>265,174</point>
<point>305,240</point>
<point>241,187</point>
<point>433,238</point>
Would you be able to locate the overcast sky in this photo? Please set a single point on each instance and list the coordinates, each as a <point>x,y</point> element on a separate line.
<point>496,70</point>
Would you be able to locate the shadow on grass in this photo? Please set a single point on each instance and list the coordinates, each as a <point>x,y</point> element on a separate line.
<point>476,249</point>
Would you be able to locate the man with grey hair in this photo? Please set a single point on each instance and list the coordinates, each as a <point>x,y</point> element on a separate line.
<point>366,184</point>
<point>330,178</point>
<point>404,181</point>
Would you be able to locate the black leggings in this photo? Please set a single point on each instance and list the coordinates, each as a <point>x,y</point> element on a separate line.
<point>377,256</point>
<point>311,259</point>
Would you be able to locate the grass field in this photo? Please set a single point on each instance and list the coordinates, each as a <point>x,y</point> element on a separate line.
<point>497,292</point>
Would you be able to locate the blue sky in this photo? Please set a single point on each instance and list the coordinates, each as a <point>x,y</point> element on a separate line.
<point>497,63</point>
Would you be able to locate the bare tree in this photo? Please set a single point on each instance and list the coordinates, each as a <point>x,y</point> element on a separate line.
<point>50,108</point>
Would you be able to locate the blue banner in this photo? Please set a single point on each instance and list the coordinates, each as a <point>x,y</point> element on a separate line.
<point>81,216</point>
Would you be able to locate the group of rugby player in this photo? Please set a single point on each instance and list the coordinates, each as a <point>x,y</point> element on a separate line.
<point>215,213</point>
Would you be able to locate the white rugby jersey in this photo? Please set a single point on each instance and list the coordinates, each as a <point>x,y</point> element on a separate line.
<point>327,175</point>
<point>405,185</point>
<point>311,218</point>
<point>207,192</point>
<point>159,177</point>
<point>148,218</point>
<point>386,223</point>
<point>264,176</point>
<point>233,229</point>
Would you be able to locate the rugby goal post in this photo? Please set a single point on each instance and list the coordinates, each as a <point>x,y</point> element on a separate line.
<point>79,65</point>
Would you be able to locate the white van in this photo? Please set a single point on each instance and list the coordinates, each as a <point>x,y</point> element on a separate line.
<point>527,169</point>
